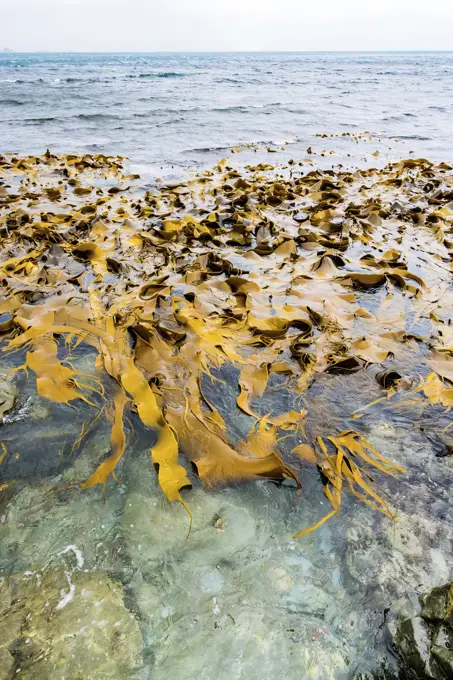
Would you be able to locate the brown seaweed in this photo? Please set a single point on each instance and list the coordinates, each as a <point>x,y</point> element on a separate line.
<point>222,270</point>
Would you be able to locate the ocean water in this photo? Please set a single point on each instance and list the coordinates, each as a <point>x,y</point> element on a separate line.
<point>172,112</point>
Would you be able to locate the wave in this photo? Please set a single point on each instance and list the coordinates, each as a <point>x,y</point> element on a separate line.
<point>243,145</point>
<point>96,116</point>
<point>86,80</point>
<point>244,108</point>
<point>166,74</point>
<point>11,102</point>
<point>80,79</point>
<point>419,138</point>
<point>299,112</point>
<point>65,119</point>
<point>172,121</point>
<point>159,74</point>
<point>21,81</point>
<point>39,121</point>
<point>208,149</point>
<point>228,80</point>
<point>399,118</point>
<point>202,109</point>
<point>102,117</point>
<point>231,109</point>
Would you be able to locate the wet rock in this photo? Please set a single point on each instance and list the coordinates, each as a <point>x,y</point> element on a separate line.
<point>39,522</point>
<point>39,437</point>
<point>425,642</point>
<point>413,643</point>
<point>402,535</point>
<point>38,433</point>
<point>437,605</point>
<point>383,673</point>
<point>8,394</point>
<point>220,529</point>
<point>387,378</point>
<point>34,451</point>
<point>6,322</point>
<point>349,365</point>
<point>234,599</point>
<point>69,624</point>
<point>442,661</point>
<point>441,448</point>
<point>301,216</point>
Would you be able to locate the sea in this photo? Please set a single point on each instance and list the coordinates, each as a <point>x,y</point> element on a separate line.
<point>173,113</point>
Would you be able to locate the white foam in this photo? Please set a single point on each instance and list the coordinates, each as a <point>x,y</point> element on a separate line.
<point>66,597</point>
<point>77,553</point>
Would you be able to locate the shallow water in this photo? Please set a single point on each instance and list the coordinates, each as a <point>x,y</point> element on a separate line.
<point>238,597</point>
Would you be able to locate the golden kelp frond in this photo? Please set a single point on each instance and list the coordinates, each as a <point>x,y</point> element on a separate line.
<point>436,390</point>
<point>54,381</point>
<point>3,452</point>
<point>352,461</point>
<point>216,461</point>
<point>273,276</point>
<point>117,445</point>
<point>252,382</point>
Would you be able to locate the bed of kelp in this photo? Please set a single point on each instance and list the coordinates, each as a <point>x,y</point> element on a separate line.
<point>275,271</point>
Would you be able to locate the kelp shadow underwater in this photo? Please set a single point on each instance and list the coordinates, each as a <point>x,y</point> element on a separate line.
<point>221,309</point>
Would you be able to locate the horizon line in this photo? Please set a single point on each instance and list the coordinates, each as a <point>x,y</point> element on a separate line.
<point>9,51</point>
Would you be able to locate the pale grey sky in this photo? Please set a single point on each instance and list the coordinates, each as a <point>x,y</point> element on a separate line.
<point>151,25</point>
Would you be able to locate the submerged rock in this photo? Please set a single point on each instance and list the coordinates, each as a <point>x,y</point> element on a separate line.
<point>69,624</point>
<point>425,642</point>
<point>8,394</point>
<point>39,521</point>
<point>39,437</point>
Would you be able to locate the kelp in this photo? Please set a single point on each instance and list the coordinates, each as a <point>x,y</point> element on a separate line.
<point>271,272</point>
<point>346,464</point>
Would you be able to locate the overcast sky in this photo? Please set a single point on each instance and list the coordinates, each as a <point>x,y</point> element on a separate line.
<point>199,25</point>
